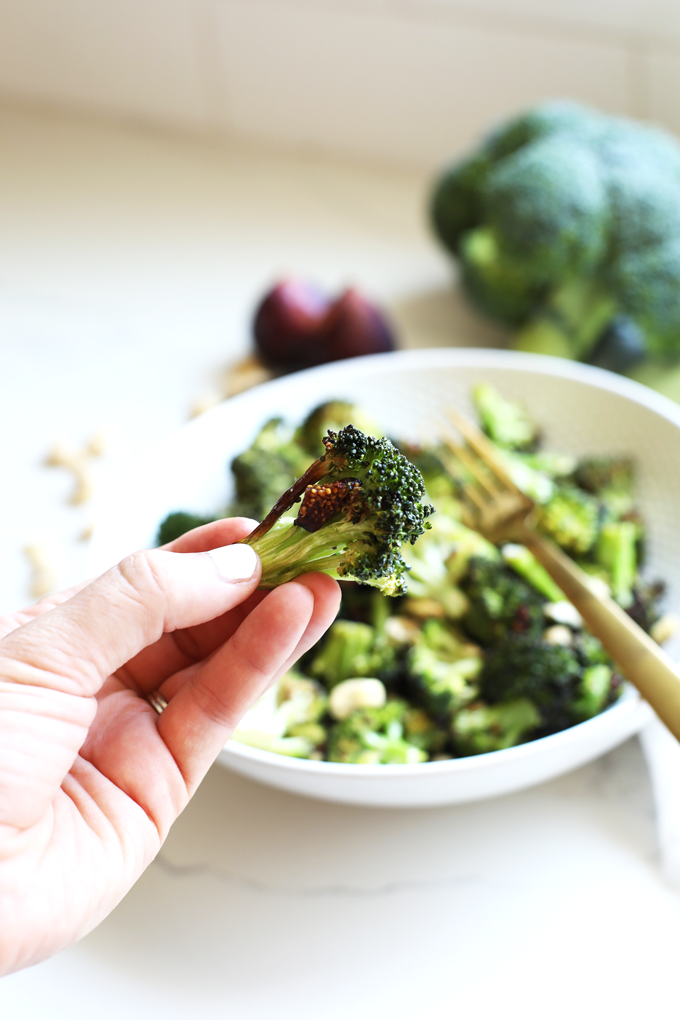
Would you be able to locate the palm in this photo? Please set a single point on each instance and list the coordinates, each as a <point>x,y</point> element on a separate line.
<point>91,778</point>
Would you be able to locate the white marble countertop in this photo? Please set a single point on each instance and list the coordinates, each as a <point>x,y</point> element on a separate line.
<point>129,264</point>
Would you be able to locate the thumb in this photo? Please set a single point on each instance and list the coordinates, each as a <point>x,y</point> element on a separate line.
<point>75,646</point>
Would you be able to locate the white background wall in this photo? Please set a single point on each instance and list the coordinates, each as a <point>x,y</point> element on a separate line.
<point>409,81</point>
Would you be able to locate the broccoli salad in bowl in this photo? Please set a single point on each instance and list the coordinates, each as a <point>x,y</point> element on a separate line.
<point>479,651</point>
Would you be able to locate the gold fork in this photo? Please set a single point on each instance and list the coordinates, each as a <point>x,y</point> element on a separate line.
<point>499,510</point>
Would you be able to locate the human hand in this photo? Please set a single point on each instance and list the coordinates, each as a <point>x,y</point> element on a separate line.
<point>91,777</point>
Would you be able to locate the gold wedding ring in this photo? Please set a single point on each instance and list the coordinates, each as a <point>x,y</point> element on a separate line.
<point>157,701</point>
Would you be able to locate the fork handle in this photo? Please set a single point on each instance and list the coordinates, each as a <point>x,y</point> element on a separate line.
<point>639,658</point>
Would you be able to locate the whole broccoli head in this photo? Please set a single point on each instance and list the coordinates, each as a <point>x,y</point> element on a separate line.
<point>566,224</point>
<point>360,504</point>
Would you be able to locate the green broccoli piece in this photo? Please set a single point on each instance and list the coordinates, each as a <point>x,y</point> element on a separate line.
<point>457,199</point>
<point>480,728</point>
<point>442,668</point>
<point>268,467</point>
<point>611,479</point>
<point>500,601</point>
<point>616,552</point>
<point>374,736</point>
<point>422,731</point>
<point>566,225</point>
<point>441,488</point>
<point>493,281</point>
<point>504,421</point>
<point>360,505</point>
<point>286,719</point>
<point>593,692</point>
<point>524,563</point>
<point>547,205</point>
<point>525,666</point>
<point>428,562</point>
<point>572,519</point>
<point>334,414</point>
<point>177,524</point>
<point>352,649</point>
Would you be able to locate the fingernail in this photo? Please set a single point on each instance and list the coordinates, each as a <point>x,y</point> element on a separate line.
<point>235,562</point>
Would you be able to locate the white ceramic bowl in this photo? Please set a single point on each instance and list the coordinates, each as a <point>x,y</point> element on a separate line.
<point>582,409</point>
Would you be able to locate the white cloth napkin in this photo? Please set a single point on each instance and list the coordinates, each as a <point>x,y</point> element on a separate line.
<point>662,752</point>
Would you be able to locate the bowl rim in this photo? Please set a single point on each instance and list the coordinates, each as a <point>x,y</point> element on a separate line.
<point>626,708</point>
<point>468,357</point>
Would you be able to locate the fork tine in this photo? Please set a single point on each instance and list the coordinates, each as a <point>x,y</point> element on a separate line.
<point>485,450</point>
<point>473,465</point>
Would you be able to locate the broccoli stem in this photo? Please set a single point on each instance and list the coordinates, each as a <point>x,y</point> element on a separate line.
<point>524,563</point>
<point>576,315</point>
<point>287,551</point>
<point>616,552</point>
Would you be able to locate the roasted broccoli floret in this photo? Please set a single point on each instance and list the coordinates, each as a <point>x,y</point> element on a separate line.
<point>593,692</point>
<point>360,505</point>
<point>481,728</point>
<point>566,223</point>
<point>287,718</point>
<point>442,669</point>
<point>422,731</point>
<point>429,575</point>
<point>611,479</point>
<point>500,601</point>
<point>374,736</point>
<point>179,523</point>
<point>352,649</point>
<point>523,666</point>
<point>441,488</point>
<point>504,421</point>
<point>333,415</point>
<point>263,471</point>
<point>571,518</point>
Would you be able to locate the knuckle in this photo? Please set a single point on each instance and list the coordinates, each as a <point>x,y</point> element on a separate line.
<point>141,578</point>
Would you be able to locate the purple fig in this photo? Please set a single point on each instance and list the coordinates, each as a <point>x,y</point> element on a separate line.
<point>297,326</point>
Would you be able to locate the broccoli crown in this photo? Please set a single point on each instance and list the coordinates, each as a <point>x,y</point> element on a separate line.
<point>374,736</point>
<point>547,205</point>
<point>500,601</point>
<point>178,523</point>
<point>360,505</point>
<point>563,196</point>
<point>522,666</point>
